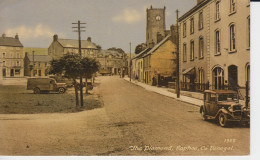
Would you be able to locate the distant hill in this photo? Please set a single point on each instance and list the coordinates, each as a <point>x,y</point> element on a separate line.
<point>37,51</point>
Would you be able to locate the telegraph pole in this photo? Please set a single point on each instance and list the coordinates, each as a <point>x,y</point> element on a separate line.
<point>178,57</point>
<point>130,62</point>
<point>81,85</point>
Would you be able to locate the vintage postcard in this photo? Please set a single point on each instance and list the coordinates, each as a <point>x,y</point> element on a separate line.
<point>125,78</point>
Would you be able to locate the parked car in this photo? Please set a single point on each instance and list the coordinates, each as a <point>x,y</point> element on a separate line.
<point>223,105</point>
<point>39,85</point>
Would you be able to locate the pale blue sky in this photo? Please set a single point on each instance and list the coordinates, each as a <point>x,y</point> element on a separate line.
<point>110,23</point>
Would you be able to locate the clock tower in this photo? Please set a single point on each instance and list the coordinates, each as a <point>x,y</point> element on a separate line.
<point>155,25</point>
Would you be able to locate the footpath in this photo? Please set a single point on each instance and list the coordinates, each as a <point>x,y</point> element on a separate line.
<point>170,93</point>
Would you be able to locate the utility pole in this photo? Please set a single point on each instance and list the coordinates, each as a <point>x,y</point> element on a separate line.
<point>81,85</point>
<point>33,64</point>
<point>130,63</point>
<point>178,57</point>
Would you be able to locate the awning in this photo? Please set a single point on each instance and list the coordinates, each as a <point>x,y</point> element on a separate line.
<point>189,71</point>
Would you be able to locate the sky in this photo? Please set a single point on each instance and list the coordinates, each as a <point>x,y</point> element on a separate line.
<point>109,23</point>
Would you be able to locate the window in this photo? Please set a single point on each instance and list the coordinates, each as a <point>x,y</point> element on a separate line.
<point>3,55</point>
<point>217,10</point>
<point>39,64</point>
<point>201,47</point>
<point>201,76</point>
<point>218,78</point>
<point>232,38</point>
<point>232,6</point>
<point>248,32</point>
<point>191,25</point>
<point>217,42</point>
<point>17,63</point>
<point>191,50</point>
<point>3,63</point>
<point>184,53</point>
<point>200,20</point>
<point>184,29</point>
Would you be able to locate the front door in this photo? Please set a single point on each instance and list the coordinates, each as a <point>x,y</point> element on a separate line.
<point>232,77</point>
<point>12,73</point>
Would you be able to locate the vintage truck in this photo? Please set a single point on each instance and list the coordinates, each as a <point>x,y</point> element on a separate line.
<point>39,85</point>
<point>105,72</point>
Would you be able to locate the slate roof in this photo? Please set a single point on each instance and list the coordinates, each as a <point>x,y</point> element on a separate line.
<point>157,45</point>
<point>10,41</point>
<point>40,58</point>
<point>142,53</point>
<point>71,43</point>
<point>109,52</point>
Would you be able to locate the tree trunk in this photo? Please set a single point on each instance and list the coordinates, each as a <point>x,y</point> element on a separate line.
<point>86,85</point>
<point>76,92</point>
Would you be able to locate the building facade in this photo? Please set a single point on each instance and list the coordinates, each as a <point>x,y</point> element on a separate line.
<point>160,62</point>
<point>59,47</point>
<point>11,57</point>
<point>113,61</point>
<point>36,65</point>
<point>215,45</point>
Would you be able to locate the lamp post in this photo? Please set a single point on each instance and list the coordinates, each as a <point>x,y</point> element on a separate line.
<point>130,63</point>
<point>178,57</point>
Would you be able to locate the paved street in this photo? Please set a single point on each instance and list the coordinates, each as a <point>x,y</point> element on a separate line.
<point>133,121</point>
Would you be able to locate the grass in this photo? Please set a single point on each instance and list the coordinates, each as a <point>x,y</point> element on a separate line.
<point>17,100</point>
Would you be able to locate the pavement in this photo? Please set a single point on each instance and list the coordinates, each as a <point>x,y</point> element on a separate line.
<point>167,92</point>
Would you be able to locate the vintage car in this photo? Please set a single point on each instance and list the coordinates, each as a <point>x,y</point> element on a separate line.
<point>223,105</point>
<point>39,85</point>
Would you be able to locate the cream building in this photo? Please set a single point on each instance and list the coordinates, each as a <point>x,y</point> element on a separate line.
<point>11,57</point>
<point>59,47</point>
<point>215,44</point>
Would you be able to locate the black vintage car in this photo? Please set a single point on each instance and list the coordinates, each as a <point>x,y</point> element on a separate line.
<point>223,105</point>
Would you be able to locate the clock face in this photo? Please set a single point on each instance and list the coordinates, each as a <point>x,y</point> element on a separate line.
<point>158,18</point>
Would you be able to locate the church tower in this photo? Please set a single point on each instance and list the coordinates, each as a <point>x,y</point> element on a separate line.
<point>155,25</point>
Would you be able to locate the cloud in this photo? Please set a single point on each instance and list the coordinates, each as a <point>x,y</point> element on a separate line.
<point>129,16</point>
<point>24,32</point>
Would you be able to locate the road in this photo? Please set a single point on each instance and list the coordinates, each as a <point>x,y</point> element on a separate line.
<point>133,121</point>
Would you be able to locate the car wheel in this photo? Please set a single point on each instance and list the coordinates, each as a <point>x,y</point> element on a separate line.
<point>203,114</point>
<point>222,120</point>
<point>36,91</point>
<point>62,90</point>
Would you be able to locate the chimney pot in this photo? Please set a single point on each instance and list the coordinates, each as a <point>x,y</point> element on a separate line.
<point>55,37</point>
<point>16,36</point>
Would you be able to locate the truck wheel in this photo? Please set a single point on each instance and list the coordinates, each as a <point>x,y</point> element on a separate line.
<point>36,91</point>
<point>222,120</point>
<point>204,117</point>
<point>62,90</point>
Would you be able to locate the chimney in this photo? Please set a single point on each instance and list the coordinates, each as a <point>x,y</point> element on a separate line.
<point>3,35</point>
<point>55,37</point>
<point>89,39</point>
<point>198,1</point>
<point>16,36</point>
<point>151,45</point>
<point>159,37</point>
<point>151,6</point>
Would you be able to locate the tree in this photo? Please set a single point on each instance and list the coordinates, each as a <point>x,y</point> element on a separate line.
<point>119,50</point>
<point>72,66</point>
<point>139,48</point>
<point>88,72</point>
